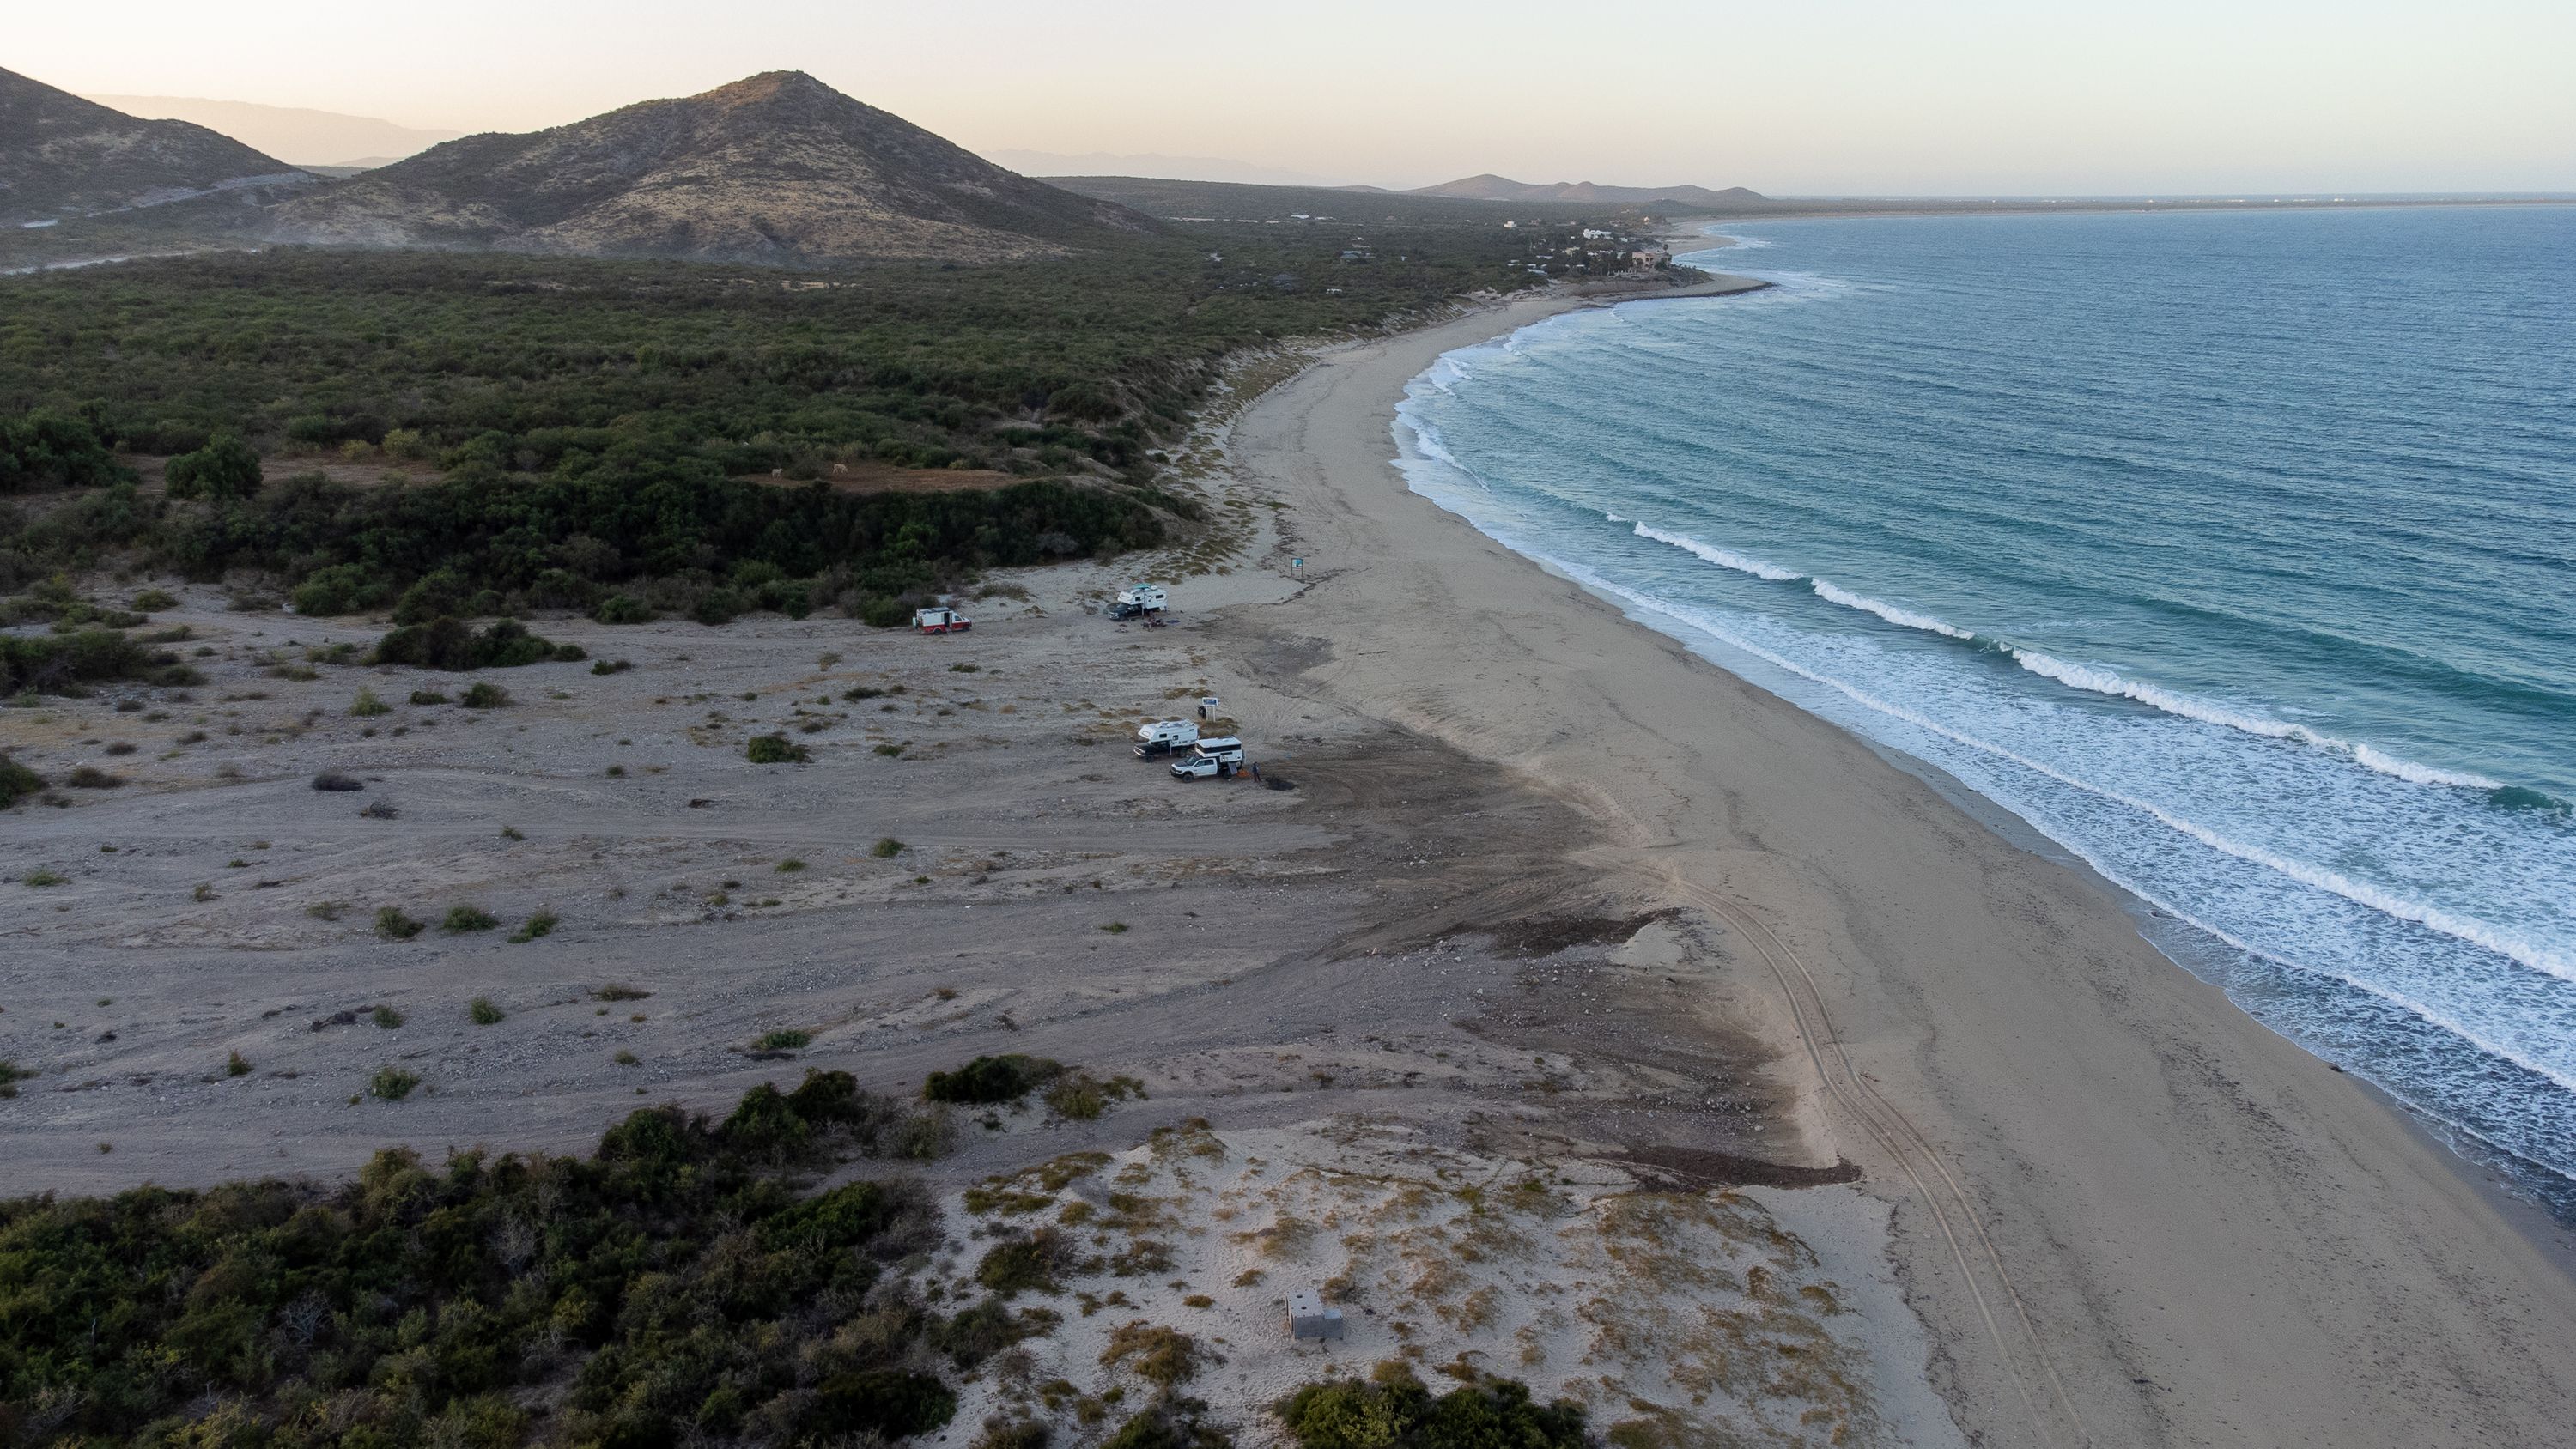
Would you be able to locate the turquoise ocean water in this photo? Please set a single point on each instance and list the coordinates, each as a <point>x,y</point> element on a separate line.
<point>2234,553</point>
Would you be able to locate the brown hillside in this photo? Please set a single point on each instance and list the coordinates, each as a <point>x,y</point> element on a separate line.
<point>64,157</point>
<point>779,168</point>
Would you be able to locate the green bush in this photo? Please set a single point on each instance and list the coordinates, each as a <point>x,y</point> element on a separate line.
<point>450,643</point>
<point>393,925</point>
<point>886,848</point>
<point>785,1039</point>
<point>482,695</point>
<point>367,705</point>
<point>61,663</point>
<point>987,1081</point>
<point>391,1084</point>
<point>679,1275</point>
<point>622,609</point>
<point>775,750</point>
<point>339,589</point>
<point>482,1012</point>
<point>17,782</point>
<point>542,923</point>
<point>225,468</point>
<point>468,918</point>
<point>49,450</point>
<point>1395,1411</point>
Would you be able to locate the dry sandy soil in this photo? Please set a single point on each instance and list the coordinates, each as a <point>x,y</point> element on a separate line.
<point>1730,1080</point>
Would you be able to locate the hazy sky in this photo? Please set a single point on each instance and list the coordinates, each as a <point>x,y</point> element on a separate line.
<point>1838,96</point>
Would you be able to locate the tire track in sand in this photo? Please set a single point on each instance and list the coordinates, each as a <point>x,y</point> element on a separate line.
<point>2053,1415</point>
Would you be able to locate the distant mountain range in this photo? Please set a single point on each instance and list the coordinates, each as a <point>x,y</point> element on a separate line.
<point>1051,164</point>
<point>62,157</point>
<point>1490,187</point>
<point>309,138</point>
<point>777,168</point>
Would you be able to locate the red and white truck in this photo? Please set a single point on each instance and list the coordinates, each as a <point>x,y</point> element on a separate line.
<point>941,621</point>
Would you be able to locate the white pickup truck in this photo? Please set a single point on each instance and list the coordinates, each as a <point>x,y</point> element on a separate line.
<point>1164,737</point>
<point>1209,758</point>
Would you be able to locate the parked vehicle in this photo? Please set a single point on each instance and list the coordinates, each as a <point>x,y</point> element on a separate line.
<point>1210,758</point>
<point>1149,598</point>
<point>941,621</point>
<point>1165,736</point>
<point>1121,613</point>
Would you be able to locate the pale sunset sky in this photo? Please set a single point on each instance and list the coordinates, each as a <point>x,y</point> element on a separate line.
<point>1841,97</point>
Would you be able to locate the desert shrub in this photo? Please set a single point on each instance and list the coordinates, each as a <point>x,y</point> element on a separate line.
<point>43,876</point>
<point>1177,1423</point>
<point>450,643</point>
<point>62,663</point>
<point>17,782</point>
<point>367,705</point>
<point>990,1080</point>
<point>340,589</point>
<point>91,777</point>
<point>1395,1411</point>
<point>393,925</point>
<point>886,848</point>
<point>237,1065</point>
<point>775,750</point>
<point>623,609</point>
<point>542,923</point>
<point>391,1084</point>
<point>484,695</point>
<point>46,449</point>
<point>619,991</point>
<point>427,696</point>
<point>468,918</point>
<point>1025,1262</point>
<point>1083,1097</point>
<point>225,468</point>
<point>784,1039</point>
<point>605,666</point>
<point>482,1012</point>
<point>153,601</point>
<point>337,781</point>
<point>680,1275</point>
<point>386,1017</point>
<point>1162,1356</point>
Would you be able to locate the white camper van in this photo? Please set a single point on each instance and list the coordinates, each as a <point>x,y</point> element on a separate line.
<point>1165,736</point>
<point>1148,597</point>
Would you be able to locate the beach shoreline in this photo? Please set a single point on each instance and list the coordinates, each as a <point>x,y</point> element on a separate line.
<point>2136,1157</point>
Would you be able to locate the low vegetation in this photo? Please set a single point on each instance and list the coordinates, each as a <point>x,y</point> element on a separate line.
<point>675,1278</point>
<point>1392,1410</point>
<point>991,1081</point>
<point>775,750</point>
<point>449,643</point>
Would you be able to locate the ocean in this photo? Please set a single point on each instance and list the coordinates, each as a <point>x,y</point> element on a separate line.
<point>2234,553</point>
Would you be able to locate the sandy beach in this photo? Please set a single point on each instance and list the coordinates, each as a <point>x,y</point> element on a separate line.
<point>1577,1012</point>
<point>2130,1214</point>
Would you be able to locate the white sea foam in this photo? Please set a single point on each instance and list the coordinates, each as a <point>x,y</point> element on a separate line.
<point>1723,558</point>
<point>2388,764</point>
<point>1835,594</point>
<point>2103,681</point>
<point>2482,934</point>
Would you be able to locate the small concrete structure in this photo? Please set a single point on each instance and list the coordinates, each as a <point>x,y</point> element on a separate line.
<point>1309,1318</point>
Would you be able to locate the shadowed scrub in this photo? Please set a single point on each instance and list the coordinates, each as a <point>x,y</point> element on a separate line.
<point>676,1281</point>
